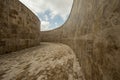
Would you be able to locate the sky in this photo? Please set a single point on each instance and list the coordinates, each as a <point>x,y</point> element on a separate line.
<point>52,13</point>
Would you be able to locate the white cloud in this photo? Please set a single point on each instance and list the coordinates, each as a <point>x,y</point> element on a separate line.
<point>57,7</point>
<point>46,18</point>
<point>45,25</point>
<point>56,23</point>
<point>53,14</point>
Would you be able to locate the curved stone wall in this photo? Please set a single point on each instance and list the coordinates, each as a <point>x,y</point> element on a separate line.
<point>92,31</point>
<point>19,27</point>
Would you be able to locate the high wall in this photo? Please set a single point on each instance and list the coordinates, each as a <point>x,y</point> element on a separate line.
<point>93,32</point>
<point>19,27</point>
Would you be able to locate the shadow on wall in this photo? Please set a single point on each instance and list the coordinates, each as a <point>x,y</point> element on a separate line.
<point>19,27</point>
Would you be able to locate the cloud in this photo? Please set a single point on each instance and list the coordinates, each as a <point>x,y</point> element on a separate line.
<point>57,7</point>
<point>53,14</point>
<point>45,25</point>
<point>60,8</point>
<point>56,23</point>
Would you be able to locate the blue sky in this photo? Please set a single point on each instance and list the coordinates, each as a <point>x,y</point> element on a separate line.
<point>52,13</point>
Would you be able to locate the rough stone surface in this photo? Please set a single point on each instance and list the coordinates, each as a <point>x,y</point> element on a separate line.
<point>50,61</point>
<point>93,32</point>
<point>19,27</point>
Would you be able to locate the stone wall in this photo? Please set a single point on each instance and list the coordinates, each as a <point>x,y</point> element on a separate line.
<point>19,27</point>
<point>93,32</point>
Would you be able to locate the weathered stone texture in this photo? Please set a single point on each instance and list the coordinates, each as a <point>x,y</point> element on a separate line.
<point>19,27</point>
<point>49,61</point>
<point>93,32</point>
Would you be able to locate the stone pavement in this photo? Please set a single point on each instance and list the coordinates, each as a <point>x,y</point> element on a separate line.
<point>49,61</point>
